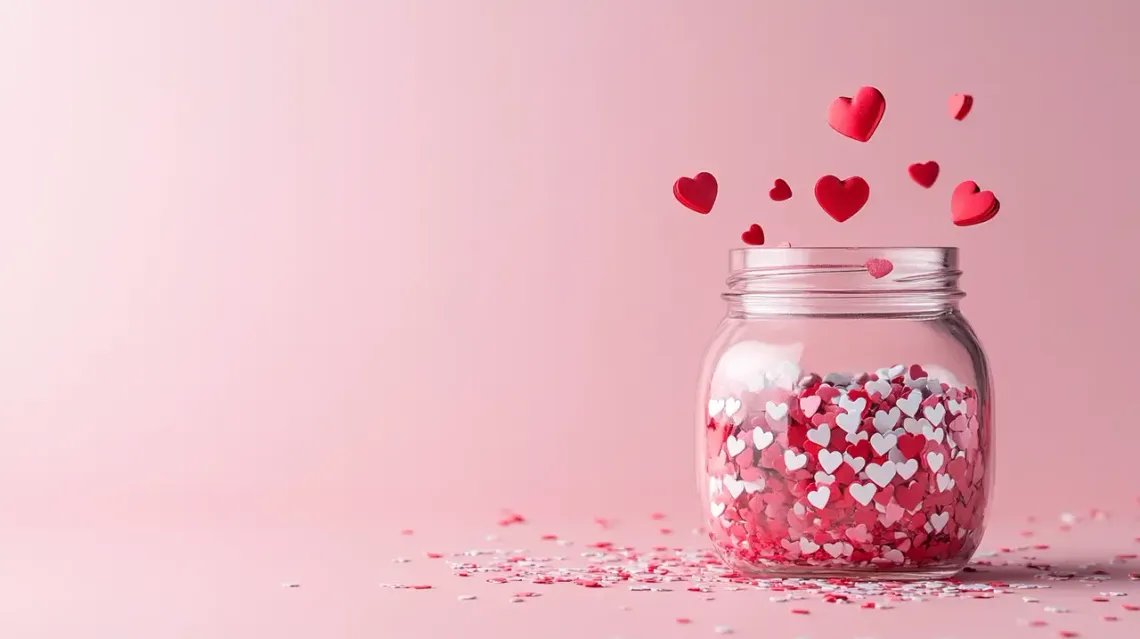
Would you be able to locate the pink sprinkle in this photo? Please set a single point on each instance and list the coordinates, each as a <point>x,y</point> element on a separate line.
<point>800,611</point>
<point>1068,633</point>
<point>1110,618</point>
<point>1037,623</point>
<point>602,521</point>
<point>549,537</point>
<point>434,555</point>
<point>666,531</point>
<point>588,583</point>
<point>421,587</point>
<point>658,517</point>
<point>684,620</point>
<point>407,531</point>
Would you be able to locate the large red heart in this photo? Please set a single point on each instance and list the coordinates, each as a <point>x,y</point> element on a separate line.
<point>754,236</point>
<point>924,174</point>
<point>841,199</point>
<point>859,117</point>
<point>970,205</point>
<point>697,193</point>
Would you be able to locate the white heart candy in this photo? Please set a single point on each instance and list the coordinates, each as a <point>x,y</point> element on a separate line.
<point>934,386</point>
<point>776,411</point>
<point>819,497</point>
<point>754,486</point>
<point>935,413</point>
<point>717,509</point>
<point>935,460</point>
<point>858,534</point>
<point>896,370</point>
<point>897,456</point>
<point>881,474</point>
<point>762,439</point>
<point>856,463</point>
<point>884,421</point>
<point>733,485</point>
<point>856,437</point>
<point>933,434</point>
<point>863,493</point>
<point>715,406</point>
<point>820,434</point>
<point>909,404</point>
<point>823,479</point>
<point>829,460</point>
<point>945,483</point>
<point>799,509</point>
<point>754,382</point>
<point>907,469</point>
<point>880,386</point>
<point>735,446</point>
<point>848,421</point>
<point>794,461</point>
<point>808,546</point>
<point>837,379</point>
<point>731,405</point>
<point>852,405</point>
<point>714,487</point>
<point>957,408</point>
<point>883,443</point>
<point>915,426</point>
<point>834,549</point>
<point>894,555</point>
<point>939,520</point>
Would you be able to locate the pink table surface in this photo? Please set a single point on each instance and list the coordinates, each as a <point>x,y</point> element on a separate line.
<point>223,583</point>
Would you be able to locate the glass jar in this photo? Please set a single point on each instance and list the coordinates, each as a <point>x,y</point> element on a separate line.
<point>845,422</point>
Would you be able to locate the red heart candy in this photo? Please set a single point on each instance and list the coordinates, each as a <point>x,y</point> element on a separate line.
<point>968,206</point>
<point>696,193</point>
<point>910,445</point>
<point>781,191</point>
<point>924,174</point>
<point>878,267</point>
<point>909,496</point>
<point>842,199</point>
<point>754,236</point>
<point>858,118</point>
<point>960,105</point>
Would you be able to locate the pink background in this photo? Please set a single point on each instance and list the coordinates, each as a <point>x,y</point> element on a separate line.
<point>403,264</point>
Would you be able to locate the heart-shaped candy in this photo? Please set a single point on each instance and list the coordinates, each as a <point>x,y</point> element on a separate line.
<point>923,174</point>
<point>841,199</point>
<point>829,460</point>
<point>862,493</point>
<point>969,205</point>
<point>762,439</point>
<point>696,193</point>
<point>781,191</point>
<point>754,236</point>
<point>859,117</point>
<point>879,268</point>
<point>735,446</point>
<point>881,474</point>
<point>960,105</point>
<point>793,461</point>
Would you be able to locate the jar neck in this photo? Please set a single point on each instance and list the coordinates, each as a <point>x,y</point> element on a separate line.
<point>835,282</point>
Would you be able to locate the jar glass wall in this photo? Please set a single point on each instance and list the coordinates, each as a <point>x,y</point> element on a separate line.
<point>845,422</point>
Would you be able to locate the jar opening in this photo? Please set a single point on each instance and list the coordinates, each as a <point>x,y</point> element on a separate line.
<point>834,280</point>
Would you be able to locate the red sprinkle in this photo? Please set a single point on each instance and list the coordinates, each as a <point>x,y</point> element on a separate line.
<point>666,531</point>
<point>434,555</point>
<point>1130,607</point>
<point>1100,599</point>
<point>1068,633</point>
<point>867,604</point>
<point>1110,618</point>
<point>800,611</point>
<point>549,537</point>
<point>421,587</point>
<point>657,516</point>
<point>1037,623</point>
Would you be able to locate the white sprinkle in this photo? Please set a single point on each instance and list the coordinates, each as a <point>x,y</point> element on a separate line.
<point>1030,599</point>
<point>492,538</point>
<point>467,597</point>
<point>564,542</point>
<point>1068,518</point>
<point>517,600</point>
<point>1055,609</point>
<point>401,560</point>
<point>778,599</point>
<point>290,584</point>
<point>723,630</point>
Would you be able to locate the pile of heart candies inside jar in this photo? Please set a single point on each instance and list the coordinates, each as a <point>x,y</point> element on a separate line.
<point>883,470</point>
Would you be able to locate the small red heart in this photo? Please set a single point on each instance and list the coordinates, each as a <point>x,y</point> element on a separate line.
<point>841,199</point>
<point>781,191</point>
<point>960,105</point>
<point>970,205</point>
<point>878,267</point>
<point>697,193</point>
<point>924,174</point>
<point>754,236</point>
<point>859,117</point>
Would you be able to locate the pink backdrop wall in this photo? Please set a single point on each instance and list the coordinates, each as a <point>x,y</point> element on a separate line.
<point>384,262</point>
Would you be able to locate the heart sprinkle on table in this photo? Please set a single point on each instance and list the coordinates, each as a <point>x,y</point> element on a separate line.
<point>960,105</point>
<point>780,192</point>
<point>754,236</point>
<point>858,117</point>
<point>924,174</point>
<point>841,199</point>
<point>696,193</point>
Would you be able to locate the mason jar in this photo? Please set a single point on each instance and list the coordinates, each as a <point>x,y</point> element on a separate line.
<point>845,422</point>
